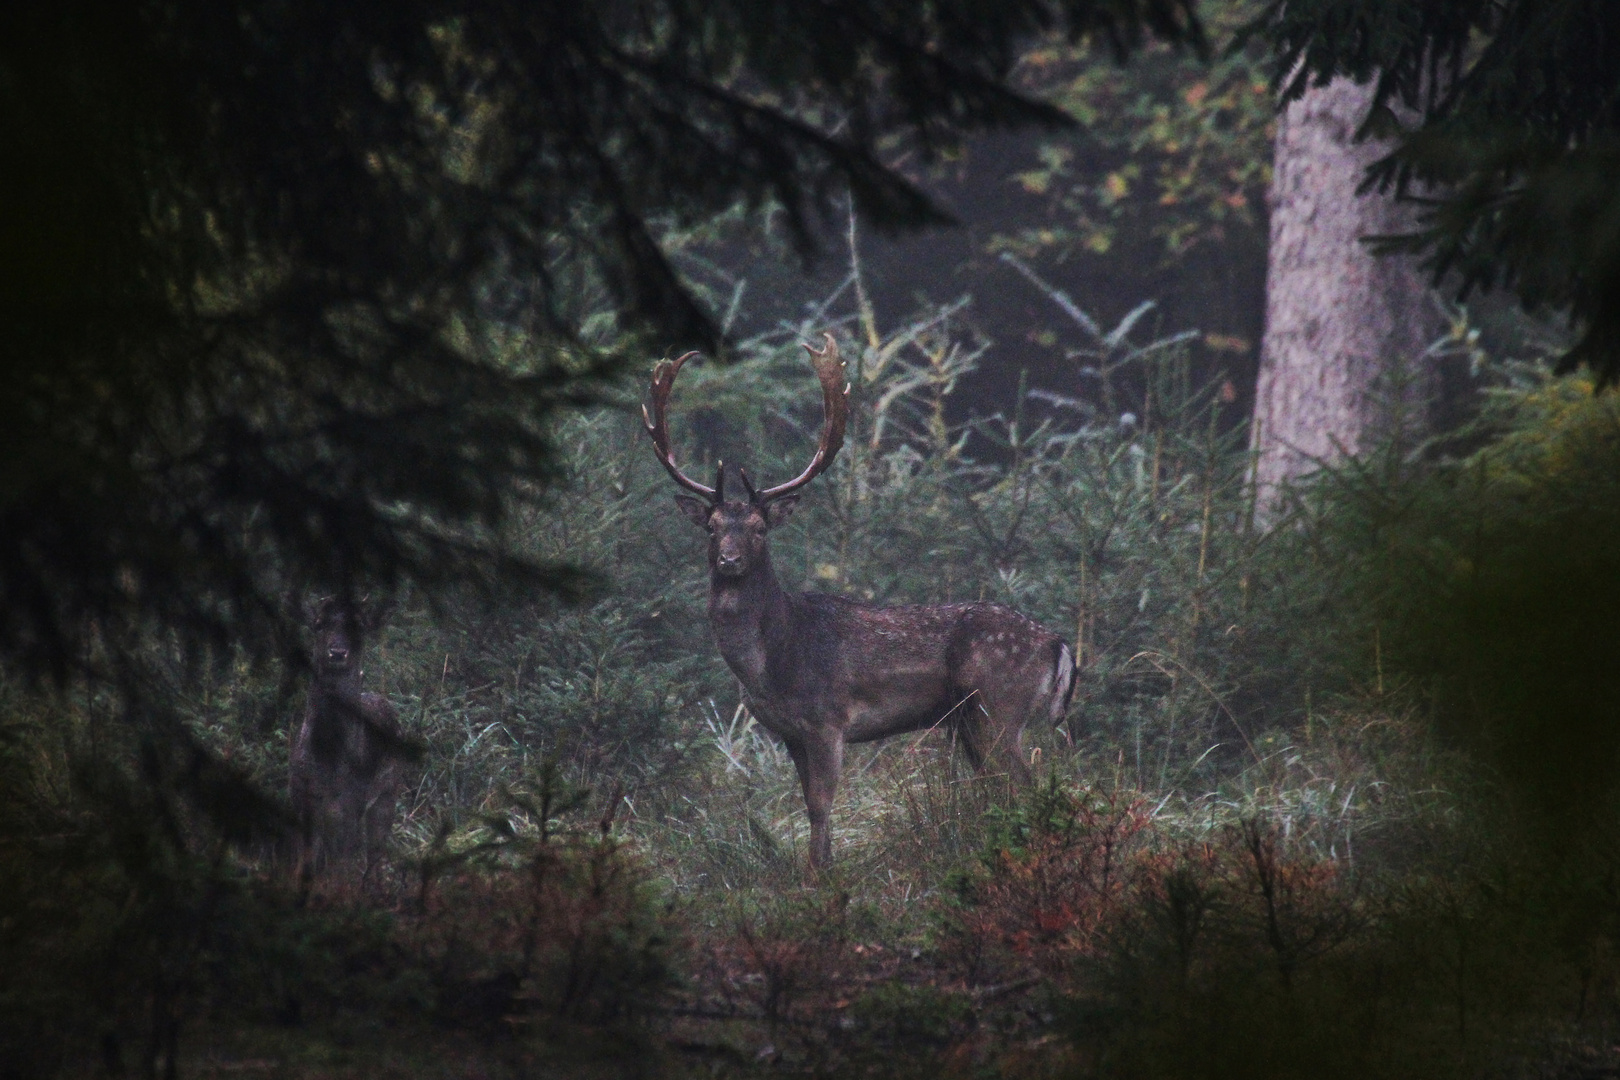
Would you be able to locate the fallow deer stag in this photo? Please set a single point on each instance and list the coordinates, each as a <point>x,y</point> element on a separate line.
<point>821,671</point>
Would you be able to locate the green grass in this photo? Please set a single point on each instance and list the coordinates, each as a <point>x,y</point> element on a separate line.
<point>1277,835</point>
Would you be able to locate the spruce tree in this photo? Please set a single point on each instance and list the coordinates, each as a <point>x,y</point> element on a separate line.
<point>291,290</point>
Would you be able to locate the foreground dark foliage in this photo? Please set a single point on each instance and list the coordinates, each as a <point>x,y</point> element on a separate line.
<point>120,949</point>
<point>1253,851</point>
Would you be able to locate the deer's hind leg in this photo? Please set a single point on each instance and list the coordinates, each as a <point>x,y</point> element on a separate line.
<point>991,726</point>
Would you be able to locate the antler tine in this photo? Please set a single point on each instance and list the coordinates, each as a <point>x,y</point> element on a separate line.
<point>835,409</point>
<point>657,425</point>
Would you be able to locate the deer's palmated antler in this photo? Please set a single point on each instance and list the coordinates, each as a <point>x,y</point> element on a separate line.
<point>835,409</point>
<point>657,425</point>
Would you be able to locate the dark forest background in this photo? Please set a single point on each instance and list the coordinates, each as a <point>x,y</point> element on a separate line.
<point>362,304</point>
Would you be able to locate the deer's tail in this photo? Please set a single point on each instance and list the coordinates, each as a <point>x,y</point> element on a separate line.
<point>1063,675</point>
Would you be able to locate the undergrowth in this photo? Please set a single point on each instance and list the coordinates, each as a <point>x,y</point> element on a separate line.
<point>1277,834</point>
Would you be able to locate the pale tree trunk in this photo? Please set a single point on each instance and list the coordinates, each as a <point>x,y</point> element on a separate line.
<point>1342,363</point>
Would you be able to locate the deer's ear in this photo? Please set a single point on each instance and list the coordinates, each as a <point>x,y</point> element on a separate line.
<point>376,613</point>
<point>317,610</point>
<point>779,510</point>
<point>696,510</point>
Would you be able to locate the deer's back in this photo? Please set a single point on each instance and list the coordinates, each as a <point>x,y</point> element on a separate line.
<point>950,632</point>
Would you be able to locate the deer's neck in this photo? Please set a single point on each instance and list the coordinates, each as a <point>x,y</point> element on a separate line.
<point>750,616</point>
<point>341,689</point>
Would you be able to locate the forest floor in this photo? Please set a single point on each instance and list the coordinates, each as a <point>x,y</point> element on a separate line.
<point>963,932</point>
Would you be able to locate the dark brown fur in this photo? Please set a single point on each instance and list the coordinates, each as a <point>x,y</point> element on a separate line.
<point>822,671</point>
<point>348,755</point>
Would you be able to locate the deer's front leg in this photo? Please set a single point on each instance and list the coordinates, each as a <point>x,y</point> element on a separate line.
<point>820,759</point>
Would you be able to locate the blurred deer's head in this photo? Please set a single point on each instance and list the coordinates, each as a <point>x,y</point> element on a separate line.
<point>341,628</point>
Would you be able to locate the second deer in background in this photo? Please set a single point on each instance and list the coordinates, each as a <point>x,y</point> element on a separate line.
<point>820,671</point>
<point>348,754</point>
